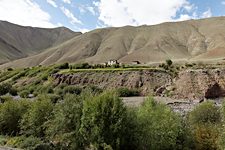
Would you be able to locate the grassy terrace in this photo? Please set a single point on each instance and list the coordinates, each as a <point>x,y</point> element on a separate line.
<point>65,71</point>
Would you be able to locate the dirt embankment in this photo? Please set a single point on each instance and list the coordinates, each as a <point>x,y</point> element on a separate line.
<point>189,84</point>
<point>146,80</point>
<point>200,84</point>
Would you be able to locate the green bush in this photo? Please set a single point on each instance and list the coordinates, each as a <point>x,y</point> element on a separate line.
<point>5,88</point>
<point>46,89</point>
<point>206,112</point>
<point>9,69</point>
<point>94,89</point>
<point>206,136</point>
<point>159,127</point>
<point>30,143</point>
<point>169,62</point>
<point>71,89</point>
<point>19,75</point>
<point>115,66</point>
<point>44,77</point>
<point>33,120</point>
<point>64,125</point>
<point>11,113</point>
<point>54,98</point>
<point>103,121</point>
<point>3,140</point>
<point>62,66</point>
<point>206,124</point>
<point>58,91</point>
<point>6,98</point>
<point>13,91</point>
<point>81,66</point>
<point>125,92</point>
<point>24,94</point>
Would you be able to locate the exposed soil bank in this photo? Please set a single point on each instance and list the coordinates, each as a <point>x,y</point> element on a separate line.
<point>188,84</point>
<point>147,81</point>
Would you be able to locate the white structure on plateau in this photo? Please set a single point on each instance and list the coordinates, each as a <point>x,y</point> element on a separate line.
<point>112,62</point>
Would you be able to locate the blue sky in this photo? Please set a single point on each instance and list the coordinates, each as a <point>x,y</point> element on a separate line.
<point>85,15</point>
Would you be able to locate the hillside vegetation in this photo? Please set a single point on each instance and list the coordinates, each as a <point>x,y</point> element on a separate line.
<point>36,113</point>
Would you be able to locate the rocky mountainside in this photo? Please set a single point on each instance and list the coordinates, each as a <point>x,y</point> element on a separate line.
<point>19,42</point>
<point>193,40</point>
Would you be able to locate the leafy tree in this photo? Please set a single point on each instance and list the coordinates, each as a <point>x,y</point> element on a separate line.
<point>103,122</point>
<point>33,120</point>
<point>65,123</point>
<point>159,127</point>
<point>11,113</point>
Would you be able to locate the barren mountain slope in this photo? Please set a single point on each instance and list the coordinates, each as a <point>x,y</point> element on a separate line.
<point>188,40</point>
<point>18,41</point>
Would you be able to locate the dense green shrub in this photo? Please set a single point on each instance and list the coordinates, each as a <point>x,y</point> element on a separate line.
<point>58,91</point>
<point>6,98</point>
<point>9,69</point>
<point>103,121</point>
<point>94,89</point>
<point>33,120</point>
<point>3,140</point>
<point>64,126</point>
<point>5,88</point>
<point>206,112</point>
<point>7,75</point>
<point>81,66</point>
<point>206,123</point>
<point>159,127</point>
<point>19,75</point>
<point>24,94</point>
<point>206,136</point>
<point>44,77</point>
<point>71,89</point>
<point>11,113</point>
<point>54,98</point>
<point>13,91</point>
<point>125,92</point>
<point>62,66</point>
<point>30,143</point>
<point>169,62</point>
<point>115,66</point>
<point>45,89</point>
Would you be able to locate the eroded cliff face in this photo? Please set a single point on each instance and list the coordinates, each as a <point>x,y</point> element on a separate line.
<point>189,84</point>
<point>147,80</point>
<point>200,84</point>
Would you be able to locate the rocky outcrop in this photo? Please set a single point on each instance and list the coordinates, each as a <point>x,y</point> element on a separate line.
<point>147,80</point>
